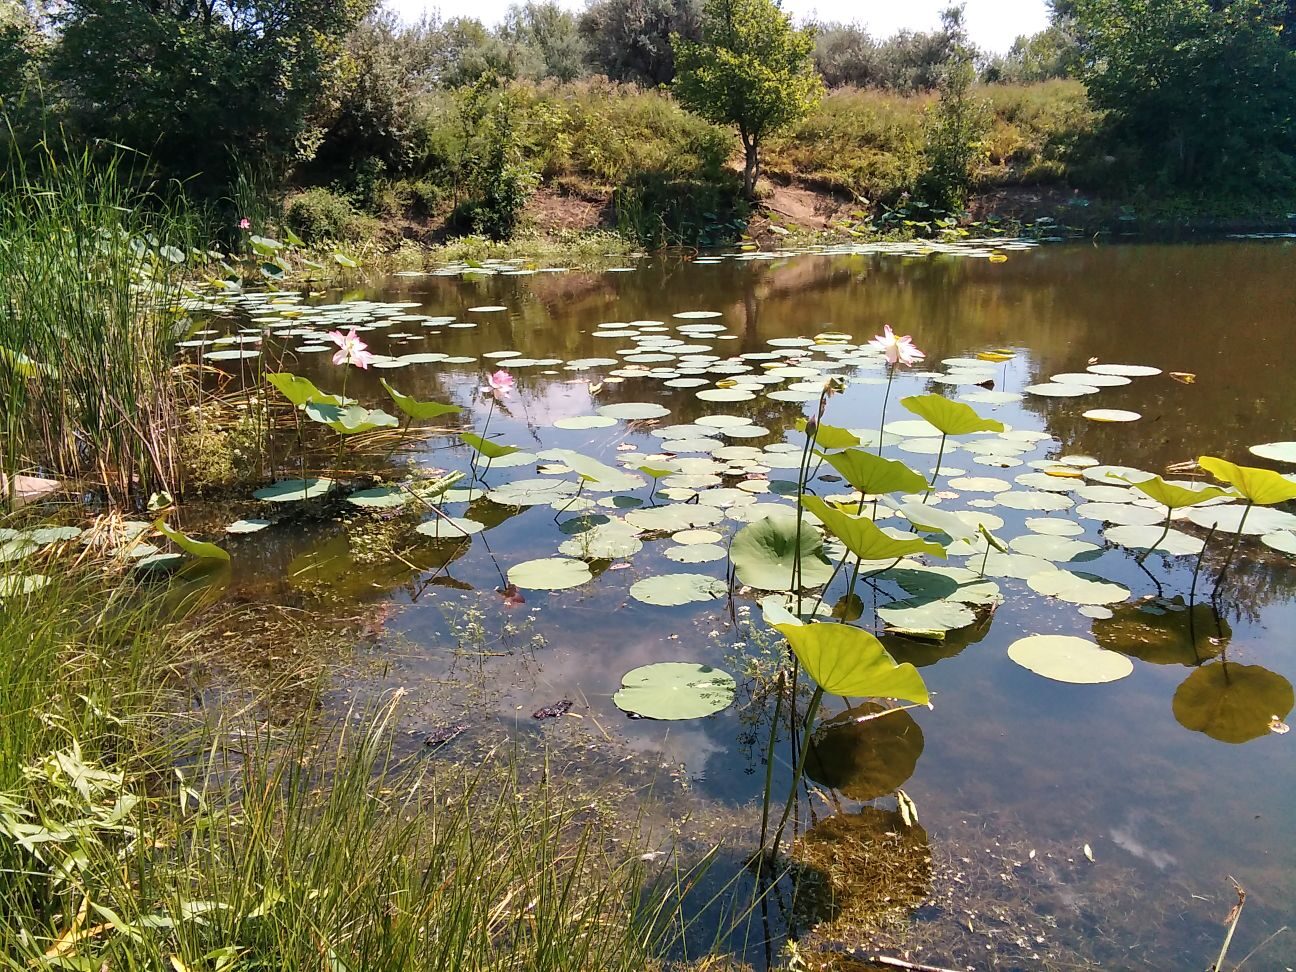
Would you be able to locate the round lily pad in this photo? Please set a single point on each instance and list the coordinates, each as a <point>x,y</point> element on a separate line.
<point>1111,415</point>
<point>1282,541</point>
<point>633,411</point>
<point>696,553</point>
<point>1054,548</point>
<point>605,541</point>
<point>1059,389</point>
<point>1136,537</point>
<point>292,490</point>
<point>1077,588</point>
<point>550,574</point>
<point>670,590</point>
<point>1124,370</point>
<point>1260,520</point>
<point>247,526</point>
<point>677,516</point>
<point>1066,658</point>
<point>675,690</point>
<point>585,422</point>
<point>1276,451</point>
<point>923,617</point>
<point>697,536</point>
<point>449,528</point>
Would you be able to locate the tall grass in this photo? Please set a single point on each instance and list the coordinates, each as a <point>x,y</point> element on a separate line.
<point>91,271</point>
<point>132,839</point>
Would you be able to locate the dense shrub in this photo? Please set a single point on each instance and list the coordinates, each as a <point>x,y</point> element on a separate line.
<point>661,210</point>
<point>317,215</point>
<point>630,40</point>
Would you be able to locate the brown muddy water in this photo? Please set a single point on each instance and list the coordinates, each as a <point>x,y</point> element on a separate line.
<point>1171,779</point>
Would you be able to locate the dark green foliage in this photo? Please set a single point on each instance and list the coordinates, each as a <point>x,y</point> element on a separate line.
<point>1052,53</point>
<point>956,130</point>
<point>501,183</point>
<point>630,40</point>
<point>194,83</point>
<point>752,69</point>
<point>660,210</point>
<point>317,214</point>
<point>1200,95</point>
<point>910,61</point>
<point>553,36</point>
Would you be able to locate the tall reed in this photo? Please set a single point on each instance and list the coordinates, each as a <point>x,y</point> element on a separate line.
<point>91,271</point>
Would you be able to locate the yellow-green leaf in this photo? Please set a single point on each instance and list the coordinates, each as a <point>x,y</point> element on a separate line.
<point>864,538</point>
<point>1264,487</point>
<point>952,418</point>
<point>852,663</point>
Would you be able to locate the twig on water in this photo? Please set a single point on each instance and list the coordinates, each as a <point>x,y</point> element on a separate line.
<point>1232,921</point>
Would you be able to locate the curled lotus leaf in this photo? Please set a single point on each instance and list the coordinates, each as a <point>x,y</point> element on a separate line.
<point>1177,497</point>
<point>416,409</point>
<point>487,447</point>
<point>350,419</point>
<point>852,663</point>
<point>871,474</point>
<point>1264,487</point>
<point>952,418</point>
<point>195,548</point>
<point>864,538</point>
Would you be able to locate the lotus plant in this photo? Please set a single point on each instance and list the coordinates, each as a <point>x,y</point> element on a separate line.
<point>898,350</point>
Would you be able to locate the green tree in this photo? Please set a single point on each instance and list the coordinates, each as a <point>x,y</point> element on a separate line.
<point>751,69</point>
<point>202,84</point>
<point>1202,92</point>
<point>553,34</point>
<point>630,40</point>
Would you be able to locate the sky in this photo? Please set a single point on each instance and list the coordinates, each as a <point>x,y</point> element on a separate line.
<point>992,24</point>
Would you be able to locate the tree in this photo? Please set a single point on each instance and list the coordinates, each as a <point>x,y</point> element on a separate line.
<point>751,69</point>
<point>201,84</point>
<point>630,40</point>
<point>553,34</point>
<point>1054,52</point>
<point>1203,92</point>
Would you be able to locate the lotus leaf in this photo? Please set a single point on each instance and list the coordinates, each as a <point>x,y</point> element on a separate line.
<point>675,690</point>
<point>766,553</point>
<point>952,418</point>
<point>864,538</point>
<point>873,475</point>
<point>1264,487</point>
<point>416,409</point>
<point>1066,658</point>
<point>549,574</point>
<point>852,663</point>
<point>195,548</point>
<point>671,590</point>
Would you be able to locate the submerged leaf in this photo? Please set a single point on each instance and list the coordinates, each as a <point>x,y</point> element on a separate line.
<point>195,548</point>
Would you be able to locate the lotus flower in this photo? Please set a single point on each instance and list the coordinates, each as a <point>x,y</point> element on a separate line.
<point>245,223</point>
<point>351,349</point>
<point>499,384</point>
<point>898,350</point>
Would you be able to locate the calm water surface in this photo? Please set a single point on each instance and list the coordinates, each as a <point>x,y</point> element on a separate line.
<point>1006,762</point>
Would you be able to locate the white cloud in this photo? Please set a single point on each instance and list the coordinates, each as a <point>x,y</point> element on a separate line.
<point>993,24</point>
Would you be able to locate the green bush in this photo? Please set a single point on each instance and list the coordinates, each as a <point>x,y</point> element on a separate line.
<point>317,215</point>
<point>658,209</point>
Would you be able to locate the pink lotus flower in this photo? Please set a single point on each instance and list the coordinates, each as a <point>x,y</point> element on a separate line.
<point>499,384</point>
<point>245,223</point>
<point>351,349</point>
<point>898,350</point>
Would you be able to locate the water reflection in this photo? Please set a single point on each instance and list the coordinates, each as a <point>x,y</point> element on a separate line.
<point>1232,703</point>
<point>865,752</point>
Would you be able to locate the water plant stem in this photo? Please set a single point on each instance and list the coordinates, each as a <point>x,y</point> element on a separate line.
<point>1228,558</point>
<point>799,769</point>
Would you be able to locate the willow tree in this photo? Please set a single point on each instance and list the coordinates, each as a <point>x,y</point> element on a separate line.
<point>751,69</point>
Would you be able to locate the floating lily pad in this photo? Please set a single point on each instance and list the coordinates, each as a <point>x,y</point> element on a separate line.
<point>1232,703</point>
<point>18,585</point>
<point>1124,370</point>
<point>532,492</point>
<point>677,516</point>
<point>1066,658</point>
<point>293,490</point>
<point>247,526</point>
<point>675,690</point>
<point>1281,541</point>
<point>1058,389</point>
<point>671,590</point>
<point>585,422</point>
<point>550,574</point>
<point>1077,588</point>
<point>696,553</point>
<point>1260,520</point>
<point>1123,514</point>
<point>1175,542</point>
<point>1054,548</point>
<point>925,618</point>
<point>1276,451</point>
<point>605,541</point>
<point>379,498</point>
<point>633,411</point>
<point>1111,415</point>
<point>449,528</point>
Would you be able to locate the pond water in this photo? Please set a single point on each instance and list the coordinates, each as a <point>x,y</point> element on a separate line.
<point>1171,778</point>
